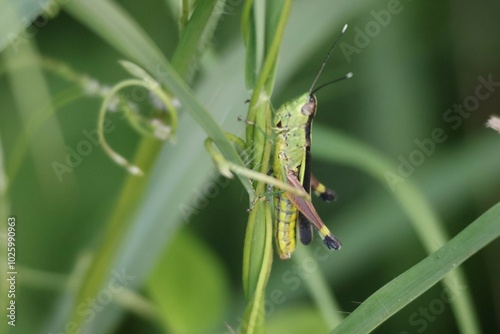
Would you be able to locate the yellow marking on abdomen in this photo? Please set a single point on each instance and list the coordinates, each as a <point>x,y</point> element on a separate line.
<point>286,221</point>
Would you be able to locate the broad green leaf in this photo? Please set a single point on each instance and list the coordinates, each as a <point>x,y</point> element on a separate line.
<point>190,286</point>
<point>295,320</point>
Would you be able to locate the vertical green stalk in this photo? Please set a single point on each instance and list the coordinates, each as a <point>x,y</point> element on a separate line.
<point>257,257</point>
<point>184,12</point>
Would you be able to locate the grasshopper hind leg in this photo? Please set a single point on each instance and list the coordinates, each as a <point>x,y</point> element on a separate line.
<point>305,230</point>
<point>320,190</point>
<point>332,242</point>
<point>327,195</point>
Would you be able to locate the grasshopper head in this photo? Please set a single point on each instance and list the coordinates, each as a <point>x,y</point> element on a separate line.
<point>309,105</point>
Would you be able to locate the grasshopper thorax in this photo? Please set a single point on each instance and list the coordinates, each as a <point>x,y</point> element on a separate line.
<point>297,113</point>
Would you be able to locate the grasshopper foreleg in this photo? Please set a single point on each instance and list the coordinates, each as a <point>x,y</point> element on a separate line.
<point>227,168</point>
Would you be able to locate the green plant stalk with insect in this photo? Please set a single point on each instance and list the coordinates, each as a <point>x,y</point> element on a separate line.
<point>278,143</point>
<point>291,166</point>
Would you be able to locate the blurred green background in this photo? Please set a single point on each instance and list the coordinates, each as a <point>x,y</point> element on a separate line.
<point>409,70</point>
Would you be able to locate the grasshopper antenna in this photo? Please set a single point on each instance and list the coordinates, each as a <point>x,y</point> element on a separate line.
<point>347,76</point>
<point>326,58</point>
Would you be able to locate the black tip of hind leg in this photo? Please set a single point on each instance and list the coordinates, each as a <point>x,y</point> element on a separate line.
<point>332,243</point>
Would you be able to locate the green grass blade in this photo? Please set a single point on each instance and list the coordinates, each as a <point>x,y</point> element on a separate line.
<point>405,288</point>
<point>424,220</point>
<point>184,13</point>
<point>258,263</point>
<point>196,34</point>
<point>32,129</point>
<point>248,30</point>
<point>11,28</point>
<point>30,91</point>
<point>319,289</point>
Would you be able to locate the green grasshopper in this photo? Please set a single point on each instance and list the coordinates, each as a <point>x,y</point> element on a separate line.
<point>292,163</point>
<point>291,168</point>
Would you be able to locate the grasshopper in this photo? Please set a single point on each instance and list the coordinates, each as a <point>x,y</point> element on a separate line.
<point>292,163</point>
<point>290,173</point>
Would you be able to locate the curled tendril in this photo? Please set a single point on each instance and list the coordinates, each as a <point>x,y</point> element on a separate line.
<point>149,127</point>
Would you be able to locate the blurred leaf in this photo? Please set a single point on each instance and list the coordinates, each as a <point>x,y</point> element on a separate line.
<point>26,78</point>
<point>319,290</point>
<point>406,287</point>
<point>12,28</point>
<point>190,285</point>
<point>137,71</point>
<point>296,320</point>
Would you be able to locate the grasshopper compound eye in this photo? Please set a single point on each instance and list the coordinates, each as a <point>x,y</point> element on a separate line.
<point>310,107</point>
